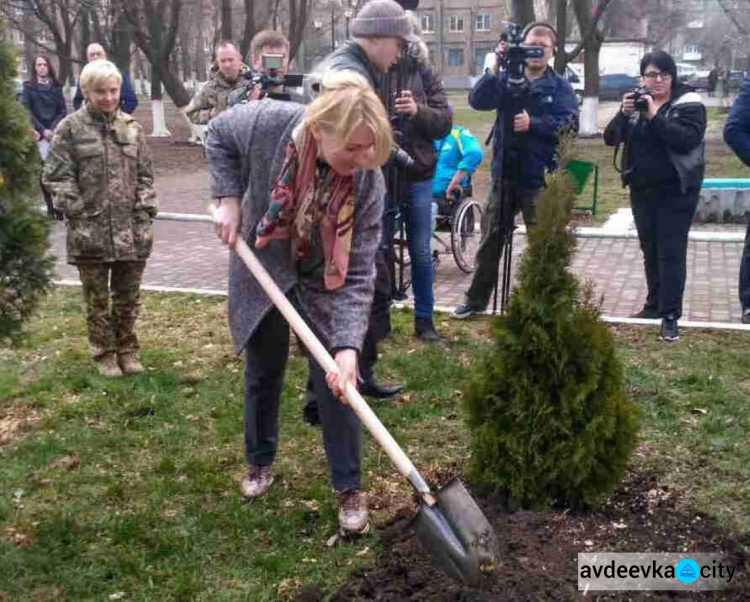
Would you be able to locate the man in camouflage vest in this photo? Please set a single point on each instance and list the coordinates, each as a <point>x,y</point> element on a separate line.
<point>213,98</point>
<point>100,175</point>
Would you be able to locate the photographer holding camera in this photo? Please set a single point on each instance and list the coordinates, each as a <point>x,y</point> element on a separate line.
<point>270,63</point>
<point>661,126</point>
<point>534,105</point>
<point>229,74</point>
<point>423,116</point>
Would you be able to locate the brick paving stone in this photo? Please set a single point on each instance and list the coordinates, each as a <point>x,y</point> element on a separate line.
<point>188,255</point>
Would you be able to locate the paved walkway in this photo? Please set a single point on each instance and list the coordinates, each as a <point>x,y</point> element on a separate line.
<point>188,256</point>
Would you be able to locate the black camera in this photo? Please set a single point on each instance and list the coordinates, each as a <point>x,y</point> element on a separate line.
<point>514,60</point>
<point>641,104</point>
<point>272,76</point>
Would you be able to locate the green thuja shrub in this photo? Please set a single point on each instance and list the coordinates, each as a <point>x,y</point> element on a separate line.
<point>25,264</point>
<point>549,418</point>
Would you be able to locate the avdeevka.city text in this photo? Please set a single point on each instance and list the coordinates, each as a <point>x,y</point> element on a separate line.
<point>653,571</point>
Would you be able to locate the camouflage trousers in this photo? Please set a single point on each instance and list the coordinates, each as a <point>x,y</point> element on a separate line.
<point>112,330</point>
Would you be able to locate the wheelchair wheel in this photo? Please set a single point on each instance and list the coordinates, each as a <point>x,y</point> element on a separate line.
<point>466,234</point>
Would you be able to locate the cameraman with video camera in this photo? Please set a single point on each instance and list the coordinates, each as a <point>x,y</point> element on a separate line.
<point>661,126</point>
<point>270,63</point>
<point>534,105</point>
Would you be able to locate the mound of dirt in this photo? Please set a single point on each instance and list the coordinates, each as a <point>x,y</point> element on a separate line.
<point>538,551</point>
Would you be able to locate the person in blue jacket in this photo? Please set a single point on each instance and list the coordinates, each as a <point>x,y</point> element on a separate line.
<point>737,136</point>
<point>128,98</point>
<point>547,108</point>
<point>459,155</point>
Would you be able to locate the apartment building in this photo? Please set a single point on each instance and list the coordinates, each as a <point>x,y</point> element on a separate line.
<point>459,33</point>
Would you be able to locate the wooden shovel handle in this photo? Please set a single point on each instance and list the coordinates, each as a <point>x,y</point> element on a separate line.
<point>319,352</point>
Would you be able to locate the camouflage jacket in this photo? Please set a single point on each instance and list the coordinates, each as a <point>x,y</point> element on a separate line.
<point>213,97</point>
<point>100,175</point>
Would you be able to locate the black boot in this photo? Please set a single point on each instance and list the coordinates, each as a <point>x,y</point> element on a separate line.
<point>424,329</point>
<point>370,387</point>
<point>310,412</point>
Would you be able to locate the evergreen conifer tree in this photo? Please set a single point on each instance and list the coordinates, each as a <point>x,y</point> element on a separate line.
<point>25,265</point>
<point>549,418</point>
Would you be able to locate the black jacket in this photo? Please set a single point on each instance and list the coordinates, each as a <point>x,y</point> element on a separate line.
<point>351,57</point>
<point>46,104</point>
<point>679,126</point>
<point>432,121</point>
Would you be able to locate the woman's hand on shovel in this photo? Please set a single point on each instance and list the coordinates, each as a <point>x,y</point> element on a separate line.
<point>346,359</point>
<point>228,220</point>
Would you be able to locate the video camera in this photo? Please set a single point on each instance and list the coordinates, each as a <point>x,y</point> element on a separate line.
<point>514,59</point>
<point>270,77</point>
<point>641,104</point>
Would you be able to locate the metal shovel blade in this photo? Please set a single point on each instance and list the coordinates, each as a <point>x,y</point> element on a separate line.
<point>456,534</point>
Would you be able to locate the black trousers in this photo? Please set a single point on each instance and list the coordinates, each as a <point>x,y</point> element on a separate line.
<point>267,353</point>
<point>745,272</point>
<point>663,217</point>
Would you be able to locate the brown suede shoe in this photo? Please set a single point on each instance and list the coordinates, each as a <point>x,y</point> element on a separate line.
<point>129,363</point>
<point>107,366</point>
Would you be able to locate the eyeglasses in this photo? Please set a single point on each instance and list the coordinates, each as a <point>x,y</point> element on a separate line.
<point>657,76</point>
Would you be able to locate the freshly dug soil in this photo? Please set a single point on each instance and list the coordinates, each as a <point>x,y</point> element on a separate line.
<point>538,551</point>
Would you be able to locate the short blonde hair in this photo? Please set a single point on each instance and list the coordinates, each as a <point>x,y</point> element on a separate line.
<point>97,72</point>
<point>347,99</point>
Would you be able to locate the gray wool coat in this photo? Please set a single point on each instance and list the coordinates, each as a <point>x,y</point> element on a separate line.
<point>246,147</point>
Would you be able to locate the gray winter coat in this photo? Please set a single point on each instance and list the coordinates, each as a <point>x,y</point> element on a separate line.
<point>246,147</point>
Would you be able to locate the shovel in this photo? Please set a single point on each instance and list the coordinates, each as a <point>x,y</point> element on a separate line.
<point>449,524</point>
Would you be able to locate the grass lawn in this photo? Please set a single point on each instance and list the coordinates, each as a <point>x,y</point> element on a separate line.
<point>129,487</point>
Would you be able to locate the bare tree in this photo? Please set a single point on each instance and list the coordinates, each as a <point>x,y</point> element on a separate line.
<point>592,38</point>
<point>522,11</point>
<point>59,18</point>
<point>155,25</point>
<point>299,12</point>
<point>226,20</point>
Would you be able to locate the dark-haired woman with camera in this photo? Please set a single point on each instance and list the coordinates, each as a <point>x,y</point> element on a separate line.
<point>662,130</point>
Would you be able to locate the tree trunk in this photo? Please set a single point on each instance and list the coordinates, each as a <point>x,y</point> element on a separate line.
<point>122,41</point>
<point>249,29</point>
<point>85,32</point>
<point>226,20</point>
<point>298,17</point>
<point>591,40</point>
<point>159,121</point>
<point>200,48</point>
<point>561,14</point>
<point>522,11</point>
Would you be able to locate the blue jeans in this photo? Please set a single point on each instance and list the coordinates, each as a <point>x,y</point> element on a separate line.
<point>419,232</point>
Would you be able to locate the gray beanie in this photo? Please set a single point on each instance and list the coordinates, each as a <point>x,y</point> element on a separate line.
<point>383,19</point>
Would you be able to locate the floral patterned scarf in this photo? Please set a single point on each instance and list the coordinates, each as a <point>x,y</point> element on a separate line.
<point>305,195</point>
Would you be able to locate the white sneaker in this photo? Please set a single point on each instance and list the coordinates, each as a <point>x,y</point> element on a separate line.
<point>257,482</point>
<point>354,518</point>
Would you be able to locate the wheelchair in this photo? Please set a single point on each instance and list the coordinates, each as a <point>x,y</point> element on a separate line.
<point>458,219</point>
<point>462,217</point>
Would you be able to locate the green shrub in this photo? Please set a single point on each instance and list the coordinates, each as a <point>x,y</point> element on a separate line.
<point>549,418</point>
<point>25,265</point>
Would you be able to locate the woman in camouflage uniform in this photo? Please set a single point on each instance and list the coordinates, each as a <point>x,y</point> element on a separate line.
<point>99,171</point>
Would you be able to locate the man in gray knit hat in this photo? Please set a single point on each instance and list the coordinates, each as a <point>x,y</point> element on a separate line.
<point>379,33</point>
